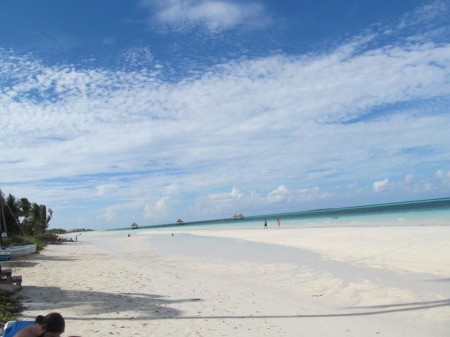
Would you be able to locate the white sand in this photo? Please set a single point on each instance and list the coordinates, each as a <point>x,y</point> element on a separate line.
<point>323,282</point>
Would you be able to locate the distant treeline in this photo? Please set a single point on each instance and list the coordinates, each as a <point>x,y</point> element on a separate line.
<point>64,231</point>
<point>81,230</point>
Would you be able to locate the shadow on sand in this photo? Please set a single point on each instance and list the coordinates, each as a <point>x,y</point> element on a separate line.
<point>93,303</point>
<point>133,306</point>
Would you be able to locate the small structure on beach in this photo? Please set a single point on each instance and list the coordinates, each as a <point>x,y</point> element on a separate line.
<point>134,225</point>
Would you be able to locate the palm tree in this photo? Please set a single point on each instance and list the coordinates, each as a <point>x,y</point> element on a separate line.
<point>25,207</point>
<point>35,218</point>
<point>2,219</point>
<point>25,210</point>
<point>11,210</point>
<point>46,217</point>
<point>39,218</point>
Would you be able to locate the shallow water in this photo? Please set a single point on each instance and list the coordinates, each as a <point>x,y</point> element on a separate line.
<point>434,212</point>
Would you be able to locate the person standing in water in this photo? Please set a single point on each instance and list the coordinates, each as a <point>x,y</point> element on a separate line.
<point>278,222</point>
<point>265,223</point>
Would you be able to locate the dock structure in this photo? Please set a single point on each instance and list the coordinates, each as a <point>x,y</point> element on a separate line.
<point>180,224</point>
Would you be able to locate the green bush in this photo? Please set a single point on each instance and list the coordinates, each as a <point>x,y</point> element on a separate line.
<point>40,240</point>
<point>47,237</point>
<point>10,306</point>
<point>28,240</point>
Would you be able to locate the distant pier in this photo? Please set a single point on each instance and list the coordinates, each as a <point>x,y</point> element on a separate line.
<point>183,224</point>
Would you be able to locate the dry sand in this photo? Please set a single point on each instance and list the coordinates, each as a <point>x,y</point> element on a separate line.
<point>375,281</point>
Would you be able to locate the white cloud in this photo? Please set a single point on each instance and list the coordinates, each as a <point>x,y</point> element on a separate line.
<point>220,202</point>
<point>314,193</point>
<point>215,15</point>
<point>237,201</point>
<point>283,194</point>
<point>441,174</point>
<point>106,189</point>
<point>381,185</point>
<point>353,187</point>
<point>253,124</point>
<point>157,210</point>
<point>108,214</point>
<point>280,194</point>
<point>173,188</point>
<point>409,179</point>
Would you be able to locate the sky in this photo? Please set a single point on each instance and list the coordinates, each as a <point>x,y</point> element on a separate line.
<point>147,111</point>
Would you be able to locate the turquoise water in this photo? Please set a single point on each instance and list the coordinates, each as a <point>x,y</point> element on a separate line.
<point>411,213</point>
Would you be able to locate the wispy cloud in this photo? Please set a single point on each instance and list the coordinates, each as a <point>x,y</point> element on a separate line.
<point>427,14</point>
<point>244,135</point>
<point>214,15</point>
<point>85,112</point>
<point>137,57</point>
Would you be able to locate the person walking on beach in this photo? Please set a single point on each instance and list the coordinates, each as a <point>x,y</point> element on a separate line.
<point>265,223</point>
<point>278,222</point>
<point>52,325</point>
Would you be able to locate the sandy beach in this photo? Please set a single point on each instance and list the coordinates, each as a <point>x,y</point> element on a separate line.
<point>368,281</point>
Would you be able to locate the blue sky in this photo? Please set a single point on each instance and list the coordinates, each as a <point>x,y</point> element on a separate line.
<point>114,112</point>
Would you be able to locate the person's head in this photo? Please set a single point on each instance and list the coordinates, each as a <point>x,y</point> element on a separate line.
<point>51,325</point>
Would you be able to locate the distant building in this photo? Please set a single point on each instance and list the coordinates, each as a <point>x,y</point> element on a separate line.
<point>179,221</point>
<point>134,225</point>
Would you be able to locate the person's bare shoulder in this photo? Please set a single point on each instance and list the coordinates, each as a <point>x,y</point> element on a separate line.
<point>26,332</point>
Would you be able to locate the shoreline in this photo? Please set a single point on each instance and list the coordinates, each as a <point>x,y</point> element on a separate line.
<point>352,281</point>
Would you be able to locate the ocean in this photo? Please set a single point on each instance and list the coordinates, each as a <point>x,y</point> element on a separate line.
<point>430,212</point>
